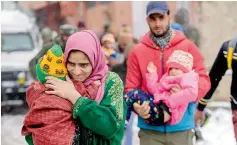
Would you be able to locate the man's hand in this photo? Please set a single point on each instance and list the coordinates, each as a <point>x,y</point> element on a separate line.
<point>142,110</point>
<point>199,117</point>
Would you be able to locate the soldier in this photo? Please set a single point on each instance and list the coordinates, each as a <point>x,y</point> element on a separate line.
<point>47,35</point>
<point>226,59</point>
<point>65,31</point>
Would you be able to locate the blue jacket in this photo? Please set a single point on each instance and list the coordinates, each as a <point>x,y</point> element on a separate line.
<point>186,123</point>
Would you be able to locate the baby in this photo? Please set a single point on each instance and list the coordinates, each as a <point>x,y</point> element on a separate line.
<point>108,42</point>
<point>166,105</point>
<point>50,112</point>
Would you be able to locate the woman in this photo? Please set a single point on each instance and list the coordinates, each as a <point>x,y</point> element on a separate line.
<point>100,119</point>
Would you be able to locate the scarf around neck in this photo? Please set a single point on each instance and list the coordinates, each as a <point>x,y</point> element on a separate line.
<point>162,41</point>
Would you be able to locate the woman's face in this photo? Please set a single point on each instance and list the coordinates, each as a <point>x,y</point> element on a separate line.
<point>79,66</point>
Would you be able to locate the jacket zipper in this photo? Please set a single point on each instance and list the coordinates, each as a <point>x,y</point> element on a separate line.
<point>163,71</point>
<point>162,60</point>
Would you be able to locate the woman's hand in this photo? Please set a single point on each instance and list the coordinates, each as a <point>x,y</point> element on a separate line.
<point>63,89</point>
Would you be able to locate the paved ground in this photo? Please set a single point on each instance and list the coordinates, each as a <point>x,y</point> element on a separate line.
<point>11,130</point>
<point>218,131</point>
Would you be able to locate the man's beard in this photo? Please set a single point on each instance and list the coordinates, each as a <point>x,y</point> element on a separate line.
<point>160,35</point>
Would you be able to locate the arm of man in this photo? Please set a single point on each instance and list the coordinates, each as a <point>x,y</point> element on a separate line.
<point>134,81</point>
<point>133,77</point>
<point>217,71</point>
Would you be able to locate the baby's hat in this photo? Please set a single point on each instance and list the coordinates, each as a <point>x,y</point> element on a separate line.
<point>51,64</point>
<point>182,60</point>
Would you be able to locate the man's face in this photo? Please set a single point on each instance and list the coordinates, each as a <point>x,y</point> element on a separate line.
<point>65,37</point>
<point>124,40</point>
<point>158,24</point>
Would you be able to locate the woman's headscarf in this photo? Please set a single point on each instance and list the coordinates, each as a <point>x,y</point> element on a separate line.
<point>87,42</point>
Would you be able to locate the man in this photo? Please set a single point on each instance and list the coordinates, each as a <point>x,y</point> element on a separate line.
<point>65,32</point>
<point>156,46</point>
<point>107,29</point>
<point>47,35</point>
<point>125,37</point>
<point>226,59</point>
<point>192,33</point>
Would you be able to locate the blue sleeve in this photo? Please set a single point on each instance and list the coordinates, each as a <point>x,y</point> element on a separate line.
<point>113,56</point>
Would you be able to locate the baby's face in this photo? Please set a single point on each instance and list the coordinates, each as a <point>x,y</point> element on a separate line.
<point>175,72</point>
<point>108,44</point>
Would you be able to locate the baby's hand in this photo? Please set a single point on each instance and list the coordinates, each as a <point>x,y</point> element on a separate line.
<point>175,89</point>
<point>151,67</point>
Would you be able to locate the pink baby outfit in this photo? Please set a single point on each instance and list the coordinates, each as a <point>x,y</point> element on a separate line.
<point>177,102</point>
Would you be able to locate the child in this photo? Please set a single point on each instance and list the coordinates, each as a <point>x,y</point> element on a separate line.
<point>108,42</point>
<point>167,106</point>
<point>49,112</point>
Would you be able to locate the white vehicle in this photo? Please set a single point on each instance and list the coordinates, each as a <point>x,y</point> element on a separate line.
<point>20,42</point>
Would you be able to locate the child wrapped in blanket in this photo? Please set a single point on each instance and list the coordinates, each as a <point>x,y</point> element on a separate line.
<point>48,114</point>
<point>167,106</point>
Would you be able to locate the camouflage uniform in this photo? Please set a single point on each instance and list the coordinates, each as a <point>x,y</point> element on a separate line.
<point>65,30</point>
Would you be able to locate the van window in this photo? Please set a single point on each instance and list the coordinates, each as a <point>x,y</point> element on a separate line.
<point>16,42</point>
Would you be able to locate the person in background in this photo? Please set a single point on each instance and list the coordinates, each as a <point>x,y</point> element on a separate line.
<point>81,25</point>
<point>107,30</point>
<point>121,69</point>
<point>125,37</point>
<point>55,35</point>
<point>182,17</point>
<point>108,42</point>
<point>226,59</point>
<point>65,31</point>
<point>47,35</point>
<point>131,129</point>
